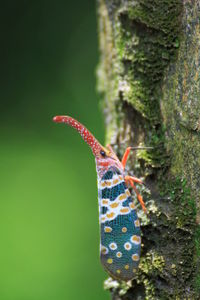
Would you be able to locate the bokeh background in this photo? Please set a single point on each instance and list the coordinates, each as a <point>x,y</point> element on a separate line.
<point>48,197</point>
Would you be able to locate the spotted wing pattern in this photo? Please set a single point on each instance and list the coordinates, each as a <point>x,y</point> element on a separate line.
<point>120,243</point>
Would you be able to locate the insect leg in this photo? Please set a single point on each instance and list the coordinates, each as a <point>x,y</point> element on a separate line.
<point>126,153</point>
<point>134,179</point>
<point>129,180</point>
<point>125,156</point>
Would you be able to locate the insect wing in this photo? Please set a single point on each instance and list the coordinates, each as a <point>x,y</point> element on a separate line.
<point>119,225</point>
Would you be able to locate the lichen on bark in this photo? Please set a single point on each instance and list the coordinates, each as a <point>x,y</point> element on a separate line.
<point>148,75</point>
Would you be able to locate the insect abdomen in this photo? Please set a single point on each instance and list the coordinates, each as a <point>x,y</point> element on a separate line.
<point>120,227</point>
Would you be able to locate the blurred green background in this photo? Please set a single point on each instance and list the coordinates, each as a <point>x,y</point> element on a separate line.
<point>48,209</point>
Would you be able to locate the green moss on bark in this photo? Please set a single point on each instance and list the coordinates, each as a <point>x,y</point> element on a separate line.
<point>146,40</point>
<point>141,78</point>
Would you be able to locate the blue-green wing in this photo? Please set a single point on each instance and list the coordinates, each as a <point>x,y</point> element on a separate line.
<point>120,228</point>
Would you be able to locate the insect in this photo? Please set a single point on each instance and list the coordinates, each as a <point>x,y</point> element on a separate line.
<point>120,235</point>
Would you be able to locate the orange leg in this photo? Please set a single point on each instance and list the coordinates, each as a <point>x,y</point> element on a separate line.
<point>125,156</point>
<point>129,179</point>
<point>127,152</point>
<point>134,179</point>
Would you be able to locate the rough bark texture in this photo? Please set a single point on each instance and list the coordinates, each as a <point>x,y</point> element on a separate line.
<point>149,78</point>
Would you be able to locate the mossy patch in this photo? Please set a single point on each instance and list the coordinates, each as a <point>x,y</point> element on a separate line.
<point>145,36</point>
<point>180,195</point>
<point>197,261</point>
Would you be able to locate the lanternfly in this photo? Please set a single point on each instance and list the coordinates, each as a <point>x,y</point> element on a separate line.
<point>120,240</point>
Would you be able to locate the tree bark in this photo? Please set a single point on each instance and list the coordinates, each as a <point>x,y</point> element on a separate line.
<point>148,76</point>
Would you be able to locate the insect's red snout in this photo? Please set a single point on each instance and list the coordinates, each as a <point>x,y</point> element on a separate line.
<point>58,119</point>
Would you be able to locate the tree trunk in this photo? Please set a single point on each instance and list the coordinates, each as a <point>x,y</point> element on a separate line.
<point>149,78</point>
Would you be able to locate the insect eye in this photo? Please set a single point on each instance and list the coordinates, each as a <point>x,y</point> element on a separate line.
<point>103,153</point>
